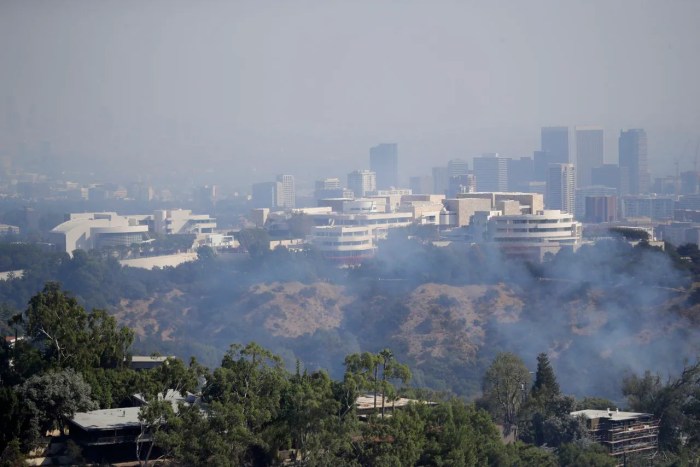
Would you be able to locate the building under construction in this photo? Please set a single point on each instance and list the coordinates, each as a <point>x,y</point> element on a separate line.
<point>622,433</point>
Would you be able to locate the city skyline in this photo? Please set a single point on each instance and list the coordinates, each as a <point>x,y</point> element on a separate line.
<point>243,92</point>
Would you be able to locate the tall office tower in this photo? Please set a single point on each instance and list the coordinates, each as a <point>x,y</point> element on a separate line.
<point>441,180</point>
<point>561,187</point>
<point>540,162</point>
<point>457,167</point>
<point>491,172</point>
<point>362,181</point>
<point>555,141</point>
<point>520,173</point>
<point>633,160</point>
<point>384,161</point>
<point>421,185</point>
<point>288,195</point>
<point>589,153</point>
<point>267,195</point>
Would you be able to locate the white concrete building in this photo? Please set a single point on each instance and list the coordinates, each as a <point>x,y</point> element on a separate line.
<point>182,221</point>
<point>343,244</point>
<point>88,231</point>
<point>532,236</point>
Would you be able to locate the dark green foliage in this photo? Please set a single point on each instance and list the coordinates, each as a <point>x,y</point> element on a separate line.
<point>675,403</point>
<point>584,453</point>
<point>51,399</point>
<point>67,336</point>
<point>546,386</point>
<point>505,387</point>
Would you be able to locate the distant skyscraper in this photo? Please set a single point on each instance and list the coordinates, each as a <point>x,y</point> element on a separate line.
<point>589,153</point>
<point>561,187</point>
<point>633,160</point>
<point>555,141</point>
<point>520,173</point>
<point>267,195</point>
<point>457,167</point>
<point>362,181</point>
<point>288,196</point>
<point>441,180</point>
<point>384,161</point>
<point>491,172</point>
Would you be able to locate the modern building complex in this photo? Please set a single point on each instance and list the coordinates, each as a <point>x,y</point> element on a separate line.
<point>361,182</point>
<point>384,161</point>
<point>95,230</point>
<point>589,153</point>
<point>181,221</point>
<point>633,160</point>
<point>622,433</point>
<point>554,141</point>
<point>491,172</point>
<point>343,244</point>
<point>88,231</point>
<point>532,236</point>
<point>561,187</point>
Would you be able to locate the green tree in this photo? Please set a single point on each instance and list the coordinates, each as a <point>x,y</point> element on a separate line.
<point>391,370</point>
<point>504,387</point>
<point>68,336</point>
<point>676,404</point>
<point>584,453</point>
<point>458,434</point>
<point>251,379</point>
<point>546,385</point>
<point>52,399</point>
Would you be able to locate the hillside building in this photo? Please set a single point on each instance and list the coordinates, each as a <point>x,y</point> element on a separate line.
<point>533,236</point>
<point>622,433</point>
<point>344,245</point>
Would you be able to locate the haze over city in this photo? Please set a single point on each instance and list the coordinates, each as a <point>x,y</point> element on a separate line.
<point>235,92</point>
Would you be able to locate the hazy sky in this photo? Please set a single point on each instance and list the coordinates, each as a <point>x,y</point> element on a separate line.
<point>256,88</point>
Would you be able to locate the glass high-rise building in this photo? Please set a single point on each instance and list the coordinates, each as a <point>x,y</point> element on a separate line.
<point>590,153</point>
<point>384,161</point>
<point>491,173</point>
<point>555,141</point>
<point>561,187</point>
<point>633,160</point>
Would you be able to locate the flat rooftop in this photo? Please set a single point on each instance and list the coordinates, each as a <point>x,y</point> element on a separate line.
<point>609,414</point>
<point>107,419</point>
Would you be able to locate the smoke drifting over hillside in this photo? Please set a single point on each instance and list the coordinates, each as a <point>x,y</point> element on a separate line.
<point>600,313</point>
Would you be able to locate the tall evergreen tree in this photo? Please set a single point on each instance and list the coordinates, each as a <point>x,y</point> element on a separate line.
<point>546,386</point>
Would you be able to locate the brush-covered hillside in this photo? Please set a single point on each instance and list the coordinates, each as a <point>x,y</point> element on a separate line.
<point>601,313</point>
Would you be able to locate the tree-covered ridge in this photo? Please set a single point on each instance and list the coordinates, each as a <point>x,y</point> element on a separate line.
<point>253,408</point>
<point>607,309</point>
